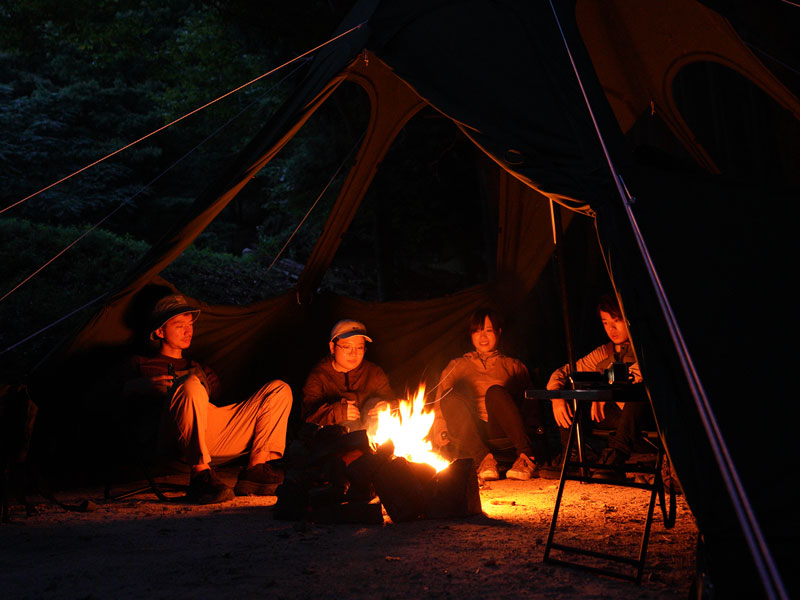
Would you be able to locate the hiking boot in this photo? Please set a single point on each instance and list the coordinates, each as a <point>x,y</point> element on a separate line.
<point>258,480</point>
<point>206,488</point>
<point>613,458</point>
<point>522,469</point>
<point>488,468</point>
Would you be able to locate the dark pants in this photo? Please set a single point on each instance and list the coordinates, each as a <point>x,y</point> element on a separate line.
<point>470,434</point>
<point>627,424</point>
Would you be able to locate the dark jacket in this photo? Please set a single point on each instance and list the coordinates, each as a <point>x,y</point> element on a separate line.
<point>325,388</point>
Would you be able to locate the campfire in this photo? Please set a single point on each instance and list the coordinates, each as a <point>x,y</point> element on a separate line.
<point>407,430</point>
<point>336,476</point>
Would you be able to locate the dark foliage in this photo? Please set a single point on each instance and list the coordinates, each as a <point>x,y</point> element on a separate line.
<point>89,270</point>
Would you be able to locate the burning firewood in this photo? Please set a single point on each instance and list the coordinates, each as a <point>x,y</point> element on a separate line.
<point>333,476</point>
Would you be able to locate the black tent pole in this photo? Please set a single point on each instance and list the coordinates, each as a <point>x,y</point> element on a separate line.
<point>555,217</point>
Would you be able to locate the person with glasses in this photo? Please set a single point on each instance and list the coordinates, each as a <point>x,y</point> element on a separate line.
<point>343,388</point>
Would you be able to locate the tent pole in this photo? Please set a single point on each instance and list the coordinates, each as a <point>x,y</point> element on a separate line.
<point>555,217</point>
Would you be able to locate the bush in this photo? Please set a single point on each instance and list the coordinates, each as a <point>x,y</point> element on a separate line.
<point>79,275</point>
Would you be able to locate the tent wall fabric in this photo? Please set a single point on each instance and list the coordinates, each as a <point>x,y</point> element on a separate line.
<point>637,50</point>
<point>500,71</point>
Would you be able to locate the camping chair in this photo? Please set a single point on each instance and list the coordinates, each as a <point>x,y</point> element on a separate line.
<point>153,486</point>
<point>138,445</point>
<point>147,466</point>
<point>133,438</point>
<point>580,470</point>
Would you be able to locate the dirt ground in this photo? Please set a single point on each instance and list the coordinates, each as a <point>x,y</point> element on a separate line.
<point>147,548</point>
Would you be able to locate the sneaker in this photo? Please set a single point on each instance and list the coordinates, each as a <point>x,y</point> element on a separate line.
<point>613,458</point>
<point>206,488</point>
<point>522,469</point>
<point>258,480</point>
<point>488,468</point>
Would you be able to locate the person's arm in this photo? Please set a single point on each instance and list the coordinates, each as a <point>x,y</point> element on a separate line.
<point>152,381</point>
<point>315,409</point>
<point>598,411</point>
<point>381,396</point>
<point>592,362</point>
<point>635,372</point>
<point>147,385</point>
<point>562,410</point>
<point>439,435</point>
<point>518,378</point>
<point>319,407</point>
<point>337,412</point>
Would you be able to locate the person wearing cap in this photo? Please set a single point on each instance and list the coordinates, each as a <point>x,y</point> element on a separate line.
<point>343,388</point>
<point>202,430</point>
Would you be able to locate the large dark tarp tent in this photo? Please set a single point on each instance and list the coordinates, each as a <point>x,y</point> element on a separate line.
<point>501,72</point>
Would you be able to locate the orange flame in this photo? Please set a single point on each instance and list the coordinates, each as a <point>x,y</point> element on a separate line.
<point>407,431</point>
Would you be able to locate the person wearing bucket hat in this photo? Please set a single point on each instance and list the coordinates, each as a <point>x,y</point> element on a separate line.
<point>202,430</point>
<point>168,307</point>
<point>343,388</point>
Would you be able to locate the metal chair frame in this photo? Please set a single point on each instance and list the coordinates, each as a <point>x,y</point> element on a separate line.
<point>155,487</point>
<point>656,489</point>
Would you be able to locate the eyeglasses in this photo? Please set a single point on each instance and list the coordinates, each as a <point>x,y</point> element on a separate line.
<point>350,349</point>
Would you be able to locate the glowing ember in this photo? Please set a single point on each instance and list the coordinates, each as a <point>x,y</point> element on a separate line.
<point>407,430</point>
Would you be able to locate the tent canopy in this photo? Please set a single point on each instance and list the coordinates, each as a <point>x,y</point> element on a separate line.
<point>501,72</point>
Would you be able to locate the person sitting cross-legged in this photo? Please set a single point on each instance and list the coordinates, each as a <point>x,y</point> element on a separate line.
<point>201,429</point>
<point>476,401</point>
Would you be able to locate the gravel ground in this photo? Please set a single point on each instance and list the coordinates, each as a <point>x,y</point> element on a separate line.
<point>144,547</point>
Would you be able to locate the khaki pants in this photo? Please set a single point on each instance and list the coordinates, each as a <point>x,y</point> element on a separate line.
<point>205,431</point>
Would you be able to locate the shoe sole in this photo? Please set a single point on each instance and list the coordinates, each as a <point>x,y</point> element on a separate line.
<point>489,476</point>
<point>518,476</point>
<point>250,488</point>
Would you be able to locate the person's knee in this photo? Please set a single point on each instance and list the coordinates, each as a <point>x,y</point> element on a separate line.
<point>189,400</point>
<point>495,395</point>
<point>277,393</point>
<point>191,390</point>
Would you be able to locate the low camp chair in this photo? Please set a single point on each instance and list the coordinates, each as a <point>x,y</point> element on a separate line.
<point>135,444</point>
